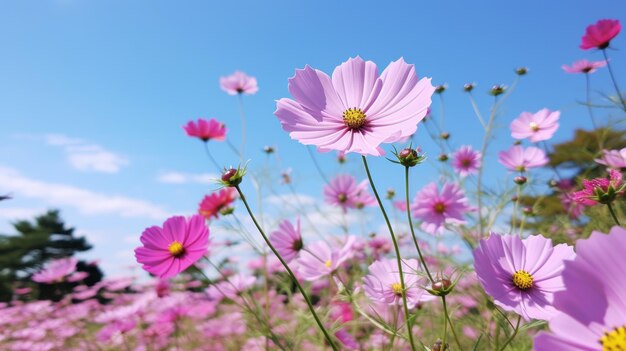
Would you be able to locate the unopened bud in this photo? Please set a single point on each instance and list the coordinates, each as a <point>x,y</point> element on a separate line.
<point>443,157</point>
<point>520,71</point>
<point>497,89</point>
<point>519,180</point>
<point>468,87</point>
<point>445,136</point>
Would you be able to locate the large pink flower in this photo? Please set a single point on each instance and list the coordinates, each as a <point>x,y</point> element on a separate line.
<point>170,250</point>
<point>357,109</point>
<point>599,35</point>
<point>206,130</point>
<point>519,159</point>
<point>343,191</point>
<point>584,66</point>
<point>56,271</point>
<point>536,126</point>
<point>239,83</point>
<point>437,209</point>
<point>522,275</point>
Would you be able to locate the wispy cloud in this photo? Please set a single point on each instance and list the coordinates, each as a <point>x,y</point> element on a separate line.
<point>83,200</point>
<point>86,156</point>
<point>173,177</point>
<point>20,212</point>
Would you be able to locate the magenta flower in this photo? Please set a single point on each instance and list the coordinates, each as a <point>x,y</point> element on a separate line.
<point>438,209</point>
<point>466,160</point>
<point>613,158</point>
<point>522,275</point>
<point>357,109</point>
<point>592,306</point>
<point>519,159</point>
<point>536,126</point>
<point>206,130</point>
<point>239,83</point>
<point>56,270</point>
<point>287,240</point>
<point>170,250</point>
<point>383,285</point>
<point>601,190</point>
<point>217,203</point>
<point>319,259</point>
<point>584,66</point>
<point>600,34</point>
<point>343,191</point>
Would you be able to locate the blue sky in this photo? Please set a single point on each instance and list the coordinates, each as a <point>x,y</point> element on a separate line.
<point>94,93</point>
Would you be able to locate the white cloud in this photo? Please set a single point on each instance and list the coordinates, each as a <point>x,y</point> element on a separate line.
<point>85,156</point>
<point>20,212</point>
<point>83,200</point>
<point>187,178</point>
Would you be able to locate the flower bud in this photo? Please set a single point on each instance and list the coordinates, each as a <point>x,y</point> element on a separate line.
<point>520,71</point>
<point>442,285</point>
<point>390,193</point>
<point>232,177</point>
<point>440,88</point>
<point>409,157</point>
<point>445,136</point>
<point>268,149</point>
<point>520,180</point>
<point>497,89</point>
<point>468,87</point>
<point>528,211</point>
<point>443,157</point>
<point>517,142</point>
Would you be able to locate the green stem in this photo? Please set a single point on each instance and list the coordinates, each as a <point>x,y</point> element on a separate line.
<point>208,153</point>
<point>445,324</point>
<point>242,114</point>
<point>608,65</point>
<point>293,277</point>
<point>613,213</point>
<point>445,311</point>
<point>408,214</point>
<point>508,341</point>
<point>397,249</point>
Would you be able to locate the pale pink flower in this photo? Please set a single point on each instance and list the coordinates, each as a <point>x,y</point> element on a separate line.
<point>613,158</point>
<point>521,159</point>
<point>319,259</point>
<point>536,126</point>
<point>239,83</point>
<point>287,240</point>
<point>584,66</point>
<point>56,270</point>
<point>343,191</point>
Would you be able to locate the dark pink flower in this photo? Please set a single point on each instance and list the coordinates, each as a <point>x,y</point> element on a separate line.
<point>56,271</point>
<point>206,130</point>
<point>599,35</point>
<point>601,190</point>
<point>436,209</point>
<point>170,250</point>
<point>592,309</point>
<point>356,110</point>
<point>217,203</point>
<point>239,83</point>
<point>519,159</point>
<point>522,275</point>
<point>287,240</point>
<point>343,191</point>
<point>466,160</point>
<point>536,126</point>
<point>584,66</point>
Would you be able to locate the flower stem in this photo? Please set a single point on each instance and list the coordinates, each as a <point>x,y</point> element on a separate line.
<point>613,213</point>
<point>242,114</point>
<point>608,65</point>
<point>293,277</point>
<point>588,91</point>
<point>408,215</point>
<point>508,341</point>
<point>409,324</point>
<point>206,148</point>
<point>445,311</point>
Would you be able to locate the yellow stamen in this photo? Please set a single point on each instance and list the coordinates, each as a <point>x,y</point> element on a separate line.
<point>615,340</point>
<point>397,289</point>
<point>176,249</point>
<point>534,126</point>
<point>328,263</point>
<point>354,118</point>
<point>439,207</point>
<point>522,280</point>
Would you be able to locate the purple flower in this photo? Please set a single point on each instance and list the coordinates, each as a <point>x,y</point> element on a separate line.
<point>318,259</point>
<point>239,83</point>
<point>466,160</point>
<point>343,191</point>
<point>438,209</point>
<point>287,240</point>
<point>519,159</point>
<point>536,126</point>
<point>593,306</point>
<point>522,275</point>
<point>613,158</point>
<point>584,66</point>
<point>56,271</point>
<point>357,109</point>
<point>383,285</point>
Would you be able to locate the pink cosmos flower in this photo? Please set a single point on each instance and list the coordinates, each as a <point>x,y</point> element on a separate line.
<point>319,259</point>
<point>56,270</point>
<point>343,191</point>
<point>519,159</point>
<point>356,110</point>
<point>592,306</point>
<point>233,287</point>
<point>206,130</point>
<point>536,126</point>
<point>382,284</point>
<point>239,83</point>
<point>170,250</point>
<point>217,203</point>
<point>601,190</point>
<point>466,160</point>
<point>613,158</point>
<point>584,66</point>
<point>437,209</point>
<point>287,240</point>
<point>522,275</point>
<point>599,35</point>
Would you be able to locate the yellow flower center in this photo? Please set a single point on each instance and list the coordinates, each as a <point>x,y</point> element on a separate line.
<point>534,126</point>
<point>176,249</point>
<point>342,198</point>
<point>328,263</point>
<point>397,289</point>
<point>614,340</point>
<point>439,207</point>
<point>522,280</point>
<point>354,118</point>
